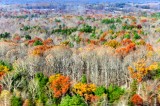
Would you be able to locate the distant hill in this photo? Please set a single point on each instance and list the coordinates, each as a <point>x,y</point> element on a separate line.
<point>64,1</point>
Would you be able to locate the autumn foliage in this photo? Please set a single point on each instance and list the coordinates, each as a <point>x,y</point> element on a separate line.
<point>39,50</point>
<point>1,74</point>
<point>149,47</point>
<point>3,70</point>
<point>140,69</point>
<point>91,98</point>
<point>60,85</point>
<point>125,50</point>
<point>137,100</point>
<point>31,42</point>
<point>85,90</point>
<point>108,49</point>
<point>48,41</point>
<point>126,42</point>
<point>113,43</point>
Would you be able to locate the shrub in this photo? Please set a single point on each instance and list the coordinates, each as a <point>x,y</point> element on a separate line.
<point>100,90</point>
<point>16,101</point>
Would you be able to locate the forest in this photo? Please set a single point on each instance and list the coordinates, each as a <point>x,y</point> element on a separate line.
<point>80,60</point>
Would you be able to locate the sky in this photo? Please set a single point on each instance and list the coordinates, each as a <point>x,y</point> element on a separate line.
<point>86,1</point>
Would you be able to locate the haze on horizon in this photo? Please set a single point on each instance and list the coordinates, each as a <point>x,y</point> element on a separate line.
<point>80,1</point>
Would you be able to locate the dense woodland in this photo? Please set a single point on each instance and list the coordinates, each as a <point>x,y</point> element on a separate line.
<point>72,60</point>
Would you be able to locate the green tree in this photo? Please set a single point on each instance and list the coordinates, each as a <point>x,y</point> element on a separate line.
<point>72,101</point>
<point>16,101</point>
<point>28,37</point>
<point>100,90</point>
<point>37,42</point>
<point>114,93</point>
<point>84,78</point>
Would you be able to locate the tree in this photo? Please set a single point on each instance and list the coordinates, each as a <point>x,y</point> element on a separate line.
<point>137,100</point>
<point>72,101</point>
<point>27,37</point>
<point>16,101</point>
<point>114,93</point>
<point>87,29</point>
<point>37,42</point>
<point>60,85</point>
<point>100,91</point>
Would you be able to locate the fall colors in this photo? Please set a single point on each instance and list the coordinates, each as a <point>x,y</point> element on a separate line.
<point>48,58</point>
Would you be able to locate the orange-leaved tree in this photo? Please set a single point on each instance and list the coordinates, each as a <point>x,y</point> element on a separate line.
<point>39,50</point>
<point>60,85</point>
<point>137,100</point>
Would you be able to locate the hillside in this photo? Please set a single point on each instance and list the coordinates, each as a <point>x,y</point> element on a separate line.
<point>93,56</point>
